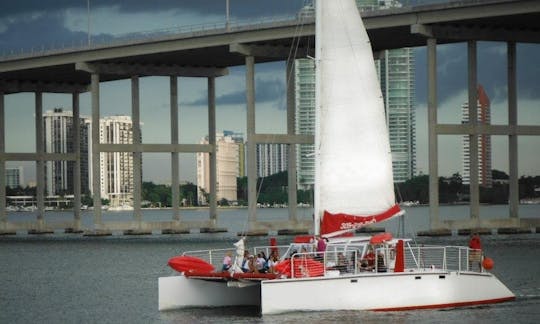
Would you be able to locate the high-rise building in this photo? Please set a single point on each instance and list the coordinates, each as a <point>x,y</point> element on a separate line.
<point>117,177</point>
<point>396,75</point>
<point>14,177</point>
<point>227,161</point>
<point>58,128</point>
<point>238,138</point>
<point>271,159</point>
<point>305,120</point>
<point>484,142</point>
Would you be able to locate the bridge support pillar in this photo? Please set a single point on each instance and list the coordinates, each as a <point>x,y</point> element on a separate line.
<point>512,137</point>
<point>77,164</point>
<point>251,146</point>
<point>175,169</point>
<point>473,138</point>
<point>40,163</point>
<point>96,184</point>
<point>213,152</point>
<point>434,220</point>
<point>3,213</point>
<point>137,156</point>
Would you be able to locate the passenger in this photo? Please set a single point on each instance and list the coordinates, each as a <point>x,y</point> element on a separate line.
<point>260,263</point>
<point>368,262</point>
<point>293,254</point>
<point>272,261</point>
<point>252,264</point>
<point>227,261</point>
<point>342,263</point>
<point>245,261</point>
<point>321,248</point>
<point>305,252</point>
<point>475,254</point>
<point>381,267</point>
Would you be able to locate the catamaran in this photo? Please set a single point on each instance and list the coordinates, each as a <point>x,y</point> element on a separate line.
<point>353,188</point>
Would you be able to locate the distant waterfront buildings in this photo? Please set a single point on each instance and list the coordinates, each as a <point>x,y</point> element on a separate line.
<point>271,159</point>
<point>116,178</point>
<point>396,76</point>
<point>58,128</point>
<point>14,177</point>
<point>484,142</point>
<point>227,169</point>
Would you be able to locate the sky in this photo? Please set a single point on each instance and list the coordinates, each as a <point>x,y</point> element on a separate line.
<point>34,24</point>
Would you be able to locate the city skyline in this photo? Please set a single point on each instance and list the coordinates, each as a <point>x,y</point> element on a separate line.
<point>22,26</point>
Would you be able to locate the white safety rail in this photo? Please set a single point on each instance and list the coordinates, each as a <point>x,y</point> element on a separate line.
<point>447,258</point>
<point>349,261</point>
<point>214,257</point>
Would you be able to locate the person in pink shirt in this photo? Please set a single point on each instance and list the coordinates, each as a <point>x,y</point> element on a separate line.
<point>227,261</point>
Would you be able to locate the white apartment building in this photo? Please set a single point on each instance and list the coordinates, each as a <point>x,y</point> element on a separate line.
<point>14,177</point>
<point>271,159</point>
<point>227,160</point>
<point>58,128</point>
<point>116,176</point>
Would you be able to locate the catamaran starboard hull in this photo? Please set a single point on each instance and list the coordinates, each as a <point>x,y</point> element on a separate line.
<point>383,292</point>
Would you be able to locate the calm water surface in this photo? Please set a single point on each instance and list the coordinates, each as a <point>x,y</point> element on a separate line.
<point>64,278</point>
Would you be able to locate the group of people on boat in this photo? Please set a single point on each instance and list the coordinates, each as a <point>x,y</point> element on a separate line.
<point>254,263</point>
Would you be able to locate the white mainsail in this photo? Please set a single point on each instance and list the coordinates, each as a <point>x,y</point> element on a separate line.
<point>353,159</point>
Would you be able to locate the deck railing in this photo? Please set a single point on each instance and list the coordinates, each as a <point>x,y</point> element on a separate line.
<point>332,263</point>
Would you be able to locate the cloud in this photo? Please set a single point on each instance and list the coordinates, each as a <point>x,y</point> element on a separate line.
<point>266,91</point>
<point>238,8</point>
<point>115,21</point>
<point>43,31</point>
<point>492,70</point>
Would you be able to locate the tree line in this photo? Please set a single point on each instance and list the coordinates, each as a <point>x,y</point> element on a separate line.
<point>273,190</point>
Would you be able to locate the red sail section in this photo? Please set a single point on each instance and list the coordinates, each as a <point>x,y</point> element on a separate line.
<point>342,222</point>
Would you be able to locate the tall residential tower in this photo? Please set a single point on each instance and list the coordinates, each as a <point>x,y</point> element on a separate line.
<point>58,127</point>
<point>484,142</point>
<point>117,177</point>
<point>396,75</point>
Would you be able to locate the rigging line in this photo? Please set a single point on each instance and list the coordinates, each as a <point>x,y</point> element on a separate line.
<point>296,41</point>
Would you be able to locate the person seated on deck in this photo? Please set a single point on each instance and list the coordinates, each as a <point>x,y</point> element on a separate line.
<point>260,263</point>
<point>342,263</point>
<point>272,261</point>
<point>293,254</point>
<point>252,264</point>
<point>227,261</point>
<point>368,262</point>
<point>245,262</point>
<point>305,252</point>
<point>381,267</point>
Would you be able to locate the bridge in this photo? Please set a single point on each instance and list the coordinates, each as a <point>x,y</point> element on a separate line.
<point>207,53</point>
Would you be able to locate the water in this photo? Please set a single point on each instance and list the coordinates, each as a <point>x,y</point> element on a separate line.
<point>65,278</point>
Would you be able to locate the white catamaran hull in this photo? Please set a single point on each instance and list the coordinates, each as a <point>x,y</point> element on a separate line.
<point>385,291</point>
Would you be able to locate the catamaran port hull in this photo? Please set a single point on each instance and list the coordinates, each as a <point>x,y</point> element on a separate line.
<point>180,292</point>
